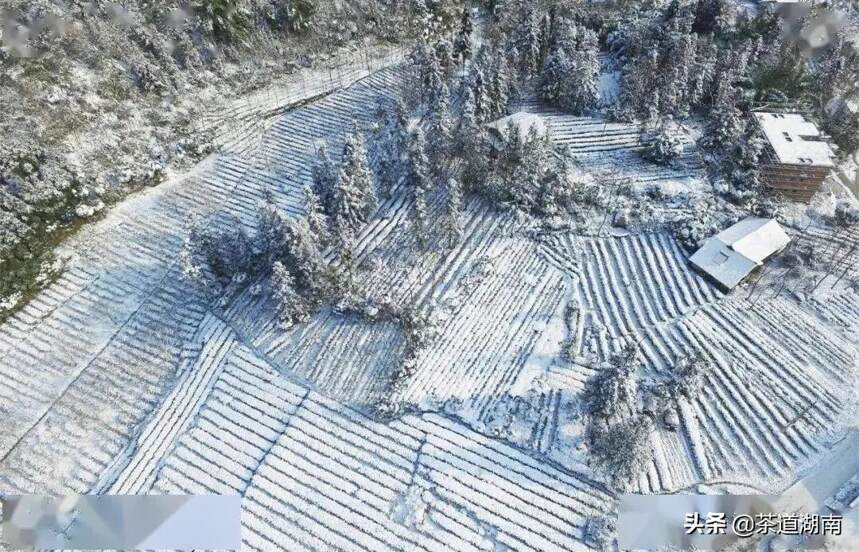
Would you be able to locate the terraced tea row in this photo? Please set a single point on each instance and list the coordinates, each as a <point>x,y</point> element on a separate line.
<point>315,474</point>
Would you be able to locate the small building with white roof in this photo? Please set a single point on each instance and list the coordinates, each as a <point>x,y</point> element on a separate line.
<point>797,157</point>
<point>734,253</point>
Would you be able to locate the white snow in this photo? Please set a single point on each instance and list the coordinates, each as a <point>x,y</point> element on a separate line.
<point>795,140</point>
<point>523,122</point>
<point>734,253</point>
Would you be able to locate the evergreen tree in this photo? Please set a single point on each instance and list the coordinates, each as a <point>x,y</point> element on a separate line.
<point>324,175</point>
<point>726,128</point>
<point>467,128</point>
<point>499,89</point>
<point>305,256</point>
<point>453,212</point>
<point>479,85</point>
<point>420,186</point>
<point>419,165</point>
<point>664,147</point>
<point>653,105</point>
<point>289,303</point>
<point>317,222</point>
<point>392,141</point>
<point>354,198</point>
<point>422,20</point>
<point>584,94</point>
<point>553,80</point>
<point>440,128</point>
<point>420,224</point>
<point>527,174</point>
<point>272,236</point>
<point>528,41</point>
<point>462,44</point>
<point>613,392</point>
<point>445,56</point>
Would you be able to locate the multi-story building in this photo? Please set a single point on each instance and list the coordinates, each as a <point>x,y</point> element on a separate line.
<point>797,157</point>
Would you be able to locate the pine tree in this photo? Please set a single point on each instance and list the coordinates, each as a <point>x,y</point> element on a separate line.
<point>420,185</point>
<point>527,174</point>
<point>270,240</point>
<point>305,256</point>
<point>653,107</point>
<point>324,175</point>
<point>553,81</point>
<point>422,19</point>
<point>419,216</point>
<point>453,212</point>
<point>725,128</point>
<point>479,84</point>
<point>499,89</point>
<point>613,392</point>
<point>582,89</point>
<point>445,56</point>
<point>434,85</point>
<point>317,222</point>
<point>462,44</point>
<point>289,303</point>
<point>528,45</point>
<point>392,141</point>
<point>466,130</point>
<point>419,165</point>
<point>354,198</point>
<point>440,128</point>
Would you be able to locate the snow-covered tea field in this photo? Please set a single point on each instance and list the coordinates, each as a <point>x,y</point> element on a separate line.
<point>124,377</point>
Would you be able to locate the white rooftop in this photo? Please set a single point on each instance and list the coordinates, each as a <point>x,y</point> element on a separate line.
<point>521,120</point>
<point>732,254</point>
<point>795,139</point>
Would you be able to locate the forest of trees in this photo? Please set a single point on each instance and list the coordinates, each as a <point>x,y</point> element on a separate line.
<point>677,63</point>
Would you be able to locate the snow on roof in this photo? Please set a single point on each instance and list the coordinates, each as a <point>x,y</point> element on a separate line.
<point>521,120</point>
<point>795,140</point>
<point>732,254</point>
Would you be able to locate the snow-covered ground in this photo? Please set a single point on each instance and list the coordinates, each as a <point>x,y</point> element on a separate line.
<point>122,377</point>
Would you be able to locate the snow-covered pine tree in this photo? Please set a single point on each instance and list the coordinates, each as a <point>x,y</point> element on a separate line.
<point>392,141</point>
<point>462,44</point>
<point>664,148</point>
<point>434,83</point>
<point>317,222</point>
<point>289,303</point>
<point>528,41</point>
<point>499,89</point>
<point>583,88</point>
<point>553,79</point>
<point>613,391</point>
<point>354,198</point>
<point>324,175</point>
<point>419,216</point>
<point>479,84</point>
<point>453,212</point>
<point>305,256</point>
<point>422,20</point>
<point>622,450</point>
<point>726,127</point>
<point>270,240</point>
<point>466,130</point>
<point>445,56</point>
<point>653,105</point>
<point>419,165</point>
<point>685,80</point>
<point>440,129</point>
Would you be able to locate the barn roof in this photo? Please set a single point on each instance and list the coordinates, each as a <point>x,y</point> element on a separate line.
<point>796,140</point>
<point>732,254</point>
